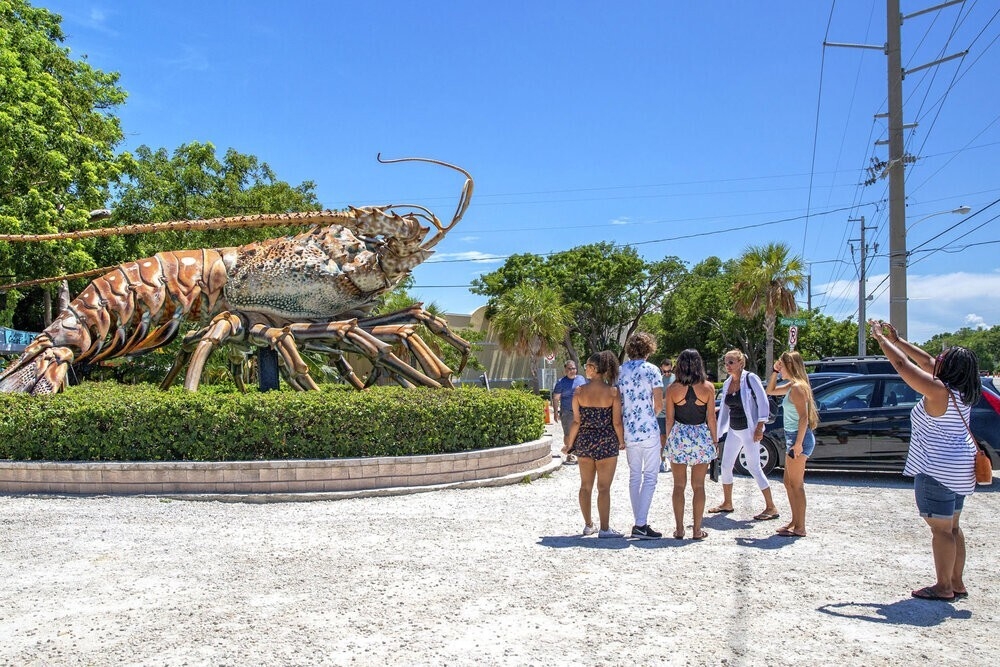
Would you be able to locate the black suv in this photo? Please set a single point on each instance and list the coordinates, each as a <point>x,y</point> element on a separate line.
<point>869,365</point>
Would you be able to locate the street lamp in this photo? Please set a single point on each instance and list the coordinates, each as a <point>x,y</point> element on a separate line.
<point>961,210</point>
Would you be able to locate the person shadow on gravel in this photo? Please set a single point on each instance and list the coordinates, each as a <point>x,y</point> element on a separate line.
<point>910,611</point>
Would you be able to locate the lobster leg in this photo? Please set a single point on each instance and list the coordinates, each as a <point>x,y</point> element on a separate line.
<point>345,334</point>
<point>415,314</point>
<point>405,335</point>
<point>223,326</point>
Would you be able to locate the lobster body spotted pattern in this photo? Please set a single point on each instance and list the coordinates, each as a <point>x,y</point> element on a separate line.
<point>310,291</point>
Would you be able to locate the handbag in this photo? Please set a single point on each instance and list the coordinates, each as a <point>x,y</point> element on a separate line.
<point>984,466</point>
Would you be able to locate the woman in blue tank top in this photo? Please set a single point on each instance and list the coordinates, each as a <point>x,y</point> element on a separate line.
<point>942,453</point>
<point>800,420</point>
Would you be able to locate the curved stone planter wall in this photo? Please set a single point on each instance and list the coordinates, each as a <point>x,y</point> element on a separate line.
<point>301,479</point>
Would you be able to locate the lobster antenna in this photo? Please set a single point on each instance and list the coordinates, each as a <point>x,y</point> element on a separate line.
<point>304,218</point>
<point>463,200</point>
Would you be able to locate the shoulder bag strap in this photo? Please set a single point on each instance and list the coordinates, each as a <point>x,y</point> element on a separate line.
<point>969,430</point>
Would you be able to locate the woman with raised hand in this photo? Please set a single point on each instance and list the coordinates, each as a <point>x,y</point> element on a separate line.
<point>800,420</point>
<point>743,413</point>
<point>596,436</point>
<point>942,453</point>
<point>692,439</point>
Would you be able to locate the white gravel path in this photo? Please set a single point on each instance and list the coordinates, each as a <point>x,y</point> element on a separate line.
<point>487,576</point>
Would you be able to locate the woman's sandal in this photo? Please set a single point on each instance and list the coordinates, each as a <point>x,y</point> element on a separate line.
<point>678,534</point>
<point>720,510</point>
<point>928,593</point>
<point>787,532</point>
<point>700,536</point>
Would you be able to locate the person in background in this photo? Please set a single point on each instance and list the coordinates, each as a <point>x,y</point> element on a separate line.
<point>641,385</point>
<point>562,400</point>
<point>800,420</point>
<point>667,370</point>
<point>743,413</point>
<point>692,438</point>
<point>597,436</point>
<point>942,453</point>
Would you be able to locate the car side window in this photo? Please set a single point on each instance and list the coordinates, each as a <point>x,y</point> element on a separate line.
<point>847,396</point>
<point>897,393</point>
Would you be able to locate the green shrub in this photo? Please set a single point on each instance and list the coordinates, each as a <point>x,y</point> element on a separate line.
<point>110,422</point>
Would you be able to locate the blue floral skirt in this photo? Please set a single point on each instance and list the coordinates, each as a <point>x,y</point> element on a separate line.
<point>690,444</point>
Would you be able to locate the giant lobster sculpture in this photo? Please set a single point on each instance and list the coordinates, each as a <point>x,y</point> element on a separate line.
<point>312,291</point>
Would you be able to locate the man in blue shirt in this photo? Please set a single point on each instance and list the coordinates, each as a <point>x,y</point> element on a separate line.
<point>562,400</point>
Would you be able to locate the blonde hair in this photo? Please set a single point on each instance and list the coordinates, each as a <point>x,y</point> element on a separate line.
<point>738,353</point>
<point>794,370</point>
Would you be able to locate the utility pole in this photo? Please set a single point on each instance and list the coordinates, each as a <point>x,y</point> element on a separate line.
<point>898,256</point>
<point>862,296</point>
<point>897,196</point>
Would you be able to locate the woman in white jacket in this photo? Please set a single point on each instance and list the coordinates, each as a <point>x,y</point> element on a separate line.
<point>743,413</point>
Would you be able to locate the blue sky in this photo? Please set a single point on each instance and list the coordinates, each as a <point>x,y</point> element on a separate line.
<point>687,129</point>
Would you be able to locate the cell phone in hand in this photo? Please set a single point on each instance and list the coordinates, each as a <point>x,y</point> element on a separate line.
<point>790,453</point>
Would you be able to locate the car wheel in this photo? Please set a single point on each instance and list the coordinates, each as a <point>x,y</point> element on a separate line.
<point>768,457</point>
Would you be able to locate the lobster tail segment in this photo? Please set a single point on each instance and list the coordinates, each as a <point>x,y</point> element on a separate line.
<point>40,370</point>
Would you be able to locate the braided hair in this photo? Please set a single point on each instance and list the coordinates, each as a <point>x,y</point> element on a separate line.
<point>958,368</point>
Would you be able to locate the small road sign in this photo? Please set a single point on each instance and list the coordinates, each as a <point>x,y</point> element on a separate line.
<point>793,321</point>
<point>793,336</point>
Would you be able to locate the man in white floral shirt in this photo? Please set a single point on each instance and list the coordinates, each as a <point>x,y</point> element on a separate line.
<point>641,388</point>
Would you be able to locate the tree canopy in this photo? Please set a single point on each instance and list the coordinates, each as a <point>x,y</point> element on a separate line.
<point>58,133</point>
<point>608,290</point>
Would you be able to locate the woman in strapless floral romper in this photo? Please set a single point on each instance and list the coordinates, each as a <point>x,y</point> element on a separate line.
<point>596,437</point>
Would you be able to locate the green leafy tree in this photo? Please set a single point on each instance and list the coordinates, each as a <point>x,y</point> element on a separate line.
<point>58,132</point>
<point>984,342</point>
<point>767,278</point>
<point>531,320</point>
<point>608,290</point>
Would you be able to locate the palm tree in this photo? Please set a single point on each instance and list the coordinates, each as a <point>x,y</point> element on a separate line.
<point>766,281</point>
<point>532,320</point>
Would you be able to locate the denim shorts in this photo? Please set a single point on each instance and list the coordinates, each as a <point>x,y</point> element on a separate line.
<point>934,500</point>
<point>808,442</point>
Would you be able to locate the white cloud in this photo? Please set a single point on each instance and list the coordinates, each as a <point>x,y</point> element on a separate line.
<point>469,239</point>
<point>470,256</point>
<point>621,221</point>
<point>975,321</point>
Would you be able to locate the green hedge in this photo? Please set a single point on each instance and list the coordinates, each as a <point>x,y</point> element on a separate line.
<point>104,421</point>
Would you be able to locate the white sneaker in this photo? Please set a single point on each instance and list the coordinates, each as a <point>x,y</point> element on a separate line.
<point>610,532</point>
<point>589,530</point>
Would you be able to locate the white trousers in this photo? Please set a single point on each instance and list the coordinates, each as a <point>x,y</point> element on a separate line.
<point>737,441</point>
<point>644,469</point>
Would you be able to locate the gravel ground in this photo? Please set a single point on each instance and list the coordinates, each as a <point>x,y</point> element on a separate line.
<point>490,576</point>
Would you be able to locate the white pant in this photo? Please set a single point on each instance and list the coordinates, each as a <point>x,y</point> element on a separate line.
<point>644,469</point>
<point>737,441</point>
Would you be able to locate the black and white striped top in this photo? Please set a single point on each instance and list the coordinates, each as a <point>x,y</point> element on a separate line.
<point>942,447</point>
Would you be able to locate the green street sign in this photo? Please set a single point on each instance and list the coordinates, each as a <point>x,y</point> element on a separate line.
<point>789,321</point>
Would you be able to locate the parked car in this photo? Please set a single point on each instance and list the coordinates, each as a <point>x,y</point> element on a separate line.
<point>866,365</point>
<point>865,425</point>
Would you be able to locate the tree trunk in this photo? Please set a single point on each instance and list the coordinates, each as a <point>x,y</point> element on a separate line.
<point>769,320</point>
<point>46,308</point>
<point>534,373</point>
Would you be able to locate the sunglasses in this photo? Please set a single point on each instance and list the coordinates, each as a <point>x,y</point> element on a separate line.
<point>730,362</point>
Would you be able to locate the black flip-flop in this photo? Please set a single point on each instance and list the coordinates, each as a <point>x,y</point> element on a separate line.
<point>928,593</point>
<point>764,516</point>
<point>961,595</point>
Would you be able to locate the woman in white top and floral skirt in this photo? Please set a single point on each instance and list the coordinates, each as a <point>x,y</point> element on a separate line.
<point>942,453</point>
